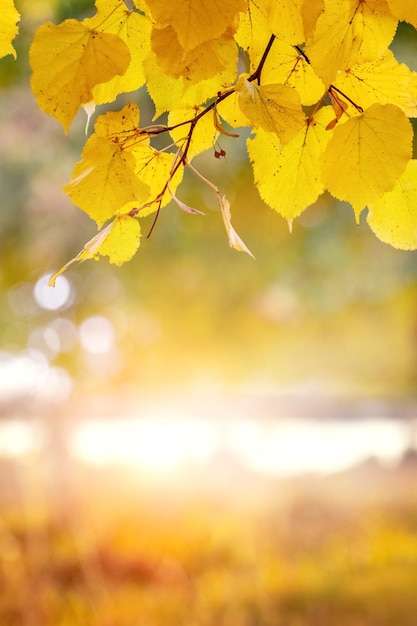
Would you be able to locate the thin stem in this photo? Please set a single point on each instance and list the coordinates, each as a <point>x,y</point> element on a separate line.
<point>257,73</point>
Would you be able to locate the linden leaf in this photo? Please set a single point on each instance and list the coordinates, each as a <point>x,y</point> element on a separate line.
<point>135,30</point>
<point>119,240</point>
<point>196,22</point>
<point>200,63</point>
<point>169,93</point>
<point>310,12</point>
<point>275,108</point>
<point>393,218</point>
<point>288,177</point>
<point>383,80</point>
<point>9,19</point>
<point>67,61</point>
<point>230,111</point>
<point>105,179</point>
<point>404,10</point>
<point>367,155</point>
<point>254,31</point>
<point>349,32</point>
<point>286,65</point>
<point>204,133</point>
<point>285,20</point>
<point>156,170</point>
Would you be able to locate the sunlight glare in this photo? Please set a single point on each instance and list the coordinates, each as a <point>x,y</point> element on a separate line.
<point>53,298</point>
<point>285,447</point>
<point>152,443</point>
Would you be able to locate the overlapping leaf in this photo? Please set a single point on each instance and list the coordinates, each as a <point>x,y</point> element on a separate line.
<point>285,65</point>
<point>67,62</point>
<point>134,29</point>
<point>367,155</point>
<point>275,108</point>
<point>383,80</point>
<point>288,177</point>
<point>405,10</point>
<point>393,217</point>
<point>119,241</point>
<point>204,133</point>
<point>169,93</point>
<point>105,179</point>
<point>285,20</point>
<point>349,32</point>
<point>196,22</point>
<point>9,18</point>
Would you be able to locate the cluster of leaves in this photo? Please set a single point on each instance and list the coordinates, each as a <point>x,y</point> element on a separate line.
<point>327,103</point>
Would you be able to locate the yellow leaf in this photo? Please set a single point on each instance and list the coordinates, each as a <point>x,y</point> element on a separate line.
<point>254,31</point>
<point>405,10</point>
<point>288,177</point>
<point>200,63</point>
<point>275,108</point>
<point>393,217</point>
<point>105,179</point>
<point>169,93</point>
<point>204,134</point>
<point>135,30</point>
<point>286,65</point>
<point>383,80</point>
<point>118,124</point>
<point>285,20</point>
<point>349,32</point>
<point>196,21</point>
<point>9,18</point>
<point>367,155</point>
<point>122,240</point>
<point>155,169</point>
<point>230,111</point>
<point>310,12</point>
<point>67,61</point>
<point>119,240</point>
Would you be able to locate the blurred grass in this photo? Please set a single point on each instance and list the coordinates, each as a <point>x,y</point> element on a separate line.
<point>110,552</point>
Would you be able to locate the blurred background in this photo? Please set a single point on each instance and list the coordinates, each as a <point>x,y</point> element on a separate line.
<point>197,437</point>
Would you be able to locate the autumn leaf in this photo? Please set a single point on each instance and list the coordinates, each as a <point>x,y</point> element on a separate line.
<point>285,20</point>
<point>286,65</point>
<point>200,63</point>
<point>119,240</point>
<point>383,80</point>
<point>135,30</point>
<point>254,32</point>
<point>169,93</point>
<point>349,32</point>
<point>367,155</point>
<point>275,108</point>
<point>156,170</point>
<point>393,218</point>
<point>67,62</point>
<point>404,10</point>
<point>288,177</point>
<point>204,133</point>
<point>196,22</point>
<point>105,179</point>
<point>9,18</point>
